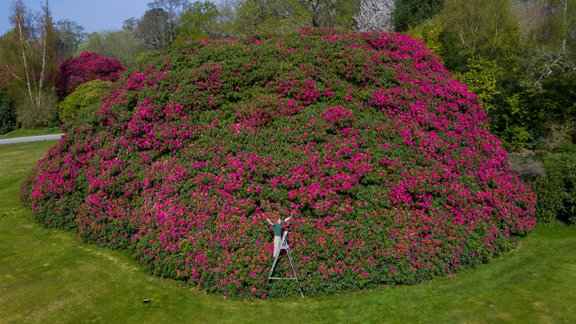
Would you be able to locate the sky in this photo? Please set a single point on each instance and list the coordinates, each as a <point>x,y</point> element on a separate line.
<point>93,15</point>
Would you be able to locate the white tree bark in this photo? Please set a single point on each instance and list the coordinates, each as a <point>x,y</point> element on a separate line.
<point>375,15</point>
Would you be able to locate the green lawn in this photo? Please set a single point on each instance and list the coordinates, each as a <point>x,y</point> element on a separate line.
<point>50,276</point>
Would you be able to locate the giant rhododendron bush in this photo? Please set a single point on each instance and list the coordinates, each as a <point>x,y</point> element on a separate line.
<point>381,158</point>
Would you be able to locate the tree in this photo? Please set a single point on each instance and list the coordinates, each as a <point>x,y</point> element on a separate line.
<point>69,35</point>
<point>375,15</point>
<point>120,44</point>
<point>159,25</point>
<point>412,13</point>
<point>268,16</point>
<point>547,29</point>
<point>198,21</point>
<point>152,30</point>
<point>130,24</point>
<point>36,65</point>
<point>331,13</point>
<point>479,28</point>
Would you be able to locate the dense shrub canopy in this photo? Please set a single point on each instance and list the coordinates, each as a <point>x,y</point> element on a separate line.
<point>381,158</point>
<point>86,67</point>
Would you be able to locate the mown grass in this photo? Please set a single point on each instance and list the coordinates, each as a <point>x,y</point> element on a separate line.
<point>49,275</point>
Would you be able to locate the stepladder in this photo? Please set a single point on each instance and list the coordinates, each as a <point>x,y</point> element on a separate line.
<point>284,246</point>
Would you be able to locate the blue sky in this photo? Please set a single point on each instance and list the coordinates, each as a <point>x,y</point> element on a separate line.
<point>93,15</point>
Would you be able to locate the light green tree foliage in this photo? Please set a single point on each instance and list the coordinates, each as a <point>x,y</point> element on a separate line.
<point>482,76</point>
<point>117,44</point>
<point>83,103</point>
<point>199,21</point>
<point>481,28</point>
<point>430,32</point>
<point>269,16</point>
<point>282,16</point>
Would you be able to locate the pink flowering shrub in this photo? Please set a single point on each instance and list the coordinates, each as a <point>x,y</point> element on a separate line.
<point>86,67</point>
<point>381,158</point>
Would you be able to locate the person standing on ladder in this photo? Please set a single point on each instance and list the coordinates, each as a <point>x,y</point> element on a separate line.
<point>277,232</point>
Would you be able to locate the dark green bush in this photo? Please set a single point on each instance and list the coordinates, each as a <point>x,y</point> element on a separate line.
<point>557,190</point>
<point>7,114</point>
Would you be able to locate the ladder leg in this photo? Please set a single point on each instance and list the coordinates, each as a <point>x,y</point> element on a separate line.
<point>294,272</point>
<point>273,265</point>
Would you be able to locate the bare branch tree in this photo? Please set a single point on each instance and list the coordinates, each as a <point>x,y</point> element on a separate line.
<point>35,47</point>
<point>375,15</point>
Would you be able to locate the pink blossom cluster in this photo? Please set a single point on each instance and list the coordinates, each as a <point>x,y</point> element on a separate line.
<point>86,67</point>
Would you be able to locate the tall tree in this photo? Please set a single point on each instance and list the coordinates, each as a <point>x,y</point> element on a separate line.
<point>199,21</point>
<point>152,29</point>
<point>547,28</point>
<point>159,25</point>
<point>268,16</point>
<point>120,44</point>
<point>481,27</point>
<point>411,13</point>
<point>35,68</point>
<point>69,35</point>
<point>331,13</point>
<point>375,15</point>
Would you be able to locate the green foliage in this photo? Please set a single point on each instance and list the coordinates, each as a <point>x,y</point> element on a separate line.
<point>482,76</point>
<point>29,60</point>
<point>82,104</point>
<point>430,32</point>
<point>40,113</point>
<point>7,113</point>
<point>557,190</point>
<point>479,27</point>
<point>276,16</point>
<point>527,116</point>
<point>409,14</point>
<point>121,45</point>
<point>69,35</point>
<point>198,21</point>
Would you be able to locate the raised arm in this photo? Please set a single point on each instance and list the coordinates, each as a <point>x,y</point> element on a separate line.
<point>287,219</point>
<point>269,222</point>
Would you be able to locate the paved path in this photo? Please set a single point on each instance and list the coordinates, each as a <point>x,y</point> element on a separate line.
<point>30,139</point>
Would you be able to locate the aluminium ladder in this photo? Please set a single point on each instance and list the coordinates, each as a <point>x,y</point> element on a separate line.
<point>284,246</point>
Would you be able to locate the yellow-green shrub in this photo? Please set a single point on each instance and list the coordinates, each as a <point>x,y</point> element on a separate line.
<point>83,102</point>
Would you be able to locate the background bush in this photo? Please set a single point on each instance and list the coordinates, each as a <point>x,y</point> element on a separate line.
<point>86,67</point>
<point>38,115</point>
<point>557,190</point>
<point>83,103</point>
<point>381,158</point>
<point>7,113</point>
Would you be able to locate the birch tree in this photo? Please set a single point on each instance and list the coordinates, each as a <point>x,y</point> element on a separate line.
<point>35,66</point>
<point>375,15</point>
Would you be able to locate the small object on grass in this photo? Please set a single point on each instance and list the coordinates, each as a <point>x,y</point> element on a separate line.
<point>146,301</point>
